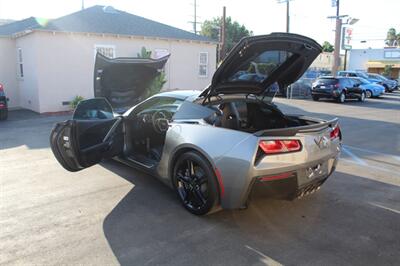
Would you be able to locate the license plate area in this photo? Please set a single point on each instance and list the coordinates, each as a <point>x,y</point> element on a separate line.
<point>316,171</point>
<point>313,172</point>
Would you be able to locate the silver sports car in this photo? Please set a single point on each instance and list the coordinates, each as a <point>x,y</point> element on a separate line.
<point>214,147</point>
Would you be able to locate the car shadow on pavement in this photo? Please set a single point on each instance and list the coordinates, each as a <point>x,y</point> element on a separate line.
<point>27,128</point>
<point>347,222</point>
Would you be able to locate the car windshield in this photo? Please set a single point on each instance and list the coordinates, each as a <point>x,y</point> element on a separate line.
<point>363,81</point>
<point>158,103</point>
<point>362,75</point>
<point>376,76</point>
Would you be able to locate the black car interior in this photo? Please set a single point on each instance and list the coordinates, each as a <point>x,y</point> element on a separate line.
<point>250,116</point>
<point>146,129</point>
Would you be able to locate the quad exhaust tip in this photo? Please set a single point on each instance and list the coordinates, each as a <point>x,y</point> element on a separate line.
<point>307,191</point>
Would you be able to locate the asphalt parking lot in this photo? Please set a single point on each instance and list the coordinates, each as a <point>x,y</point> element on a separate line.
<point>110,214</point>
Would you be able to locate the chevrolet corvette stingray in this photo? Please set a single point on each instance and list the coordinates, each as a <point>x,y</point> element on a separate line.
<point>215,147</point>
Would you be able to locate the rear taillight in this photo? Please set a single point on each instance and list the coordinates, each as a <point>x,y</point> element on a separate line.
<point>279,146</point>
<point>336,85</point>
<point>335,133</point>
<point>1,87</point>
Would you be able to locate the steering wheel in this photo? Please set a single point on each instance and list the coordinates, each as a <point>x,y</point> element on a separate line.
<point>160,122</point>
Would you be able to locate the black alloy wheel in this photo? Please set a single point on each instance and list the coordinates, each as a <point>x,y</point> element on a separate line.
<point>195,183</point>
<point>369,94</point>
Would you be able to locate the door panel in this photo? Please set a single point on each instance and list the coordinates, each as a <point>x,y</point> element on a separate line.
<point>352,89</point>
<point>63,148</point>
<point>78,144</point>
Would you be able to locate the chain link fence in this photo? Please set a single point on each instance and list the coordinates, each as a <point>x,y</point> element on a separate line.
<point>301,89</point>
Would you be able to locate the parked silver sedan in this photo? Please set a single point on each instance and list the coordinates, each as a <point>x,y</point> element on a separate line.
<point>215,147</point>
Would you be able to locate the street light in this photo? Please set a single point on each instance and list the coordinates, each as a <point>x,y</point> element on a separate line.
<point>352,21</point>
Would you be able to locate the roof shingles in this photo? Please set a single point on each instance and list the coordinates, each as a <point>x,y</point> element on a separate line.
<point>96,20</point>
<point>18,26</point>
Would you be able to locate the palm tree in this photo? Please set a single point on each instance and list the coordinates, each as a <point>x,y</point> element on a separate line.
<point>391,37</point>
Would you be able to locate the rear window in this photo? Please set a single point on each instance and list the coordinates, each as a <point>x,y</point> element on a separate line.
<point>326,81</point>
<point>259,67</point>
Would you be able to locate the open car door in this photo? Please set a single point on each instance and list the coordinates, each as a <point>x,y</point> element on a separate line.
<point>93,134</point>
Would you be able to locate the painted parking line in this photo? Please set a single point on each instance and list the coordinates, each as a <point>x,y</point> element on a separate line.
<point>383,165</point>
<point>267,260</point>
<point>354,157</point>
<point>373,152</point>
<point>384,207</point>
<point>373,167</point>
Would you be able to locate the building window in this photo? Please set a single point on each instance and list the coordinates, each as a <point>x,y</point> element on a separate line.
<point>106,50</point>
<point>203,64</point>
<point>20,63</point>
<point>391,54</point>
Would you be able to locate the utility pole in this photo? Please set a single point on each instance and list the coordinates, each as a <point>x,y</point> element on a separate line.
<point>287,16</point>
<point>338,31</point>
<point>287,13</point>
<point>195,18</point>
<point>194,22</point>
<point>83,4</point>
<point>223,34</point>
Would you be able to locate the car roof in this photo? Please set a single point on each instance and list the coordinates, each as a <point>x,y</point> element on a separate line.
<point>332,77</point>
<point>349,71</point>
<point>180,94</point>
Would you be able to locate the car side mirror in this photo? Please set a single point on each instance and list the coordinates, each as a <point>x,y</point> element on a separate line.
<point>93,109</point>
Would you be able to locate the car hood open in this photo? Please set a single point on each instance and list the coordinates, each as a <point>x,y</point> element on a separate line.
<point>257,62</point>
<point>125,81</point>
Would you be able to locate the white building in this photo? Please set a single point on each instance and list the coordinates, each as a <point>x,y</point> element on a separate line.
<point>375,60</point>
<point>45,64</point>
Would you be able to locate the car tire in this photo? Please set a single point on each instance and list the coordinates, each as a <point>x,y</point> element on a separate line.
<point>315,98</point>
<point>386,88</point>
<point>4,114</point>
<point>197,187</point>
<point>362,97</point>
<point>342,97</point>
<point>369,94</point>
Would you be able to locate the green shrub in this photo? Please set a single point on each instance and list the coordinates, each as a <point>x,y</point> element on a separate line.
<point>144,53</point>
<point>157,84</point>
<point>387,71</point>
<point>75,101</point>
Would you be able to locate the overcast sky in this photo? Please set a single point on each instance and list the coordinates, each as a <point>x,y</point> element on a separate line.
<point>308,17</point>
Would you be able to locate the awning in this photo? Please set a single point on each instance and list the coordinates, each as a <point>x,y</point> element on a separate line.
<point>382,64</point>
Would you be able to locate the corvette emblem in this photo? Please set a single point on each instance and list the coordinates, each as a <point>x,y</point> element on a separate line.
<point>322,142</point>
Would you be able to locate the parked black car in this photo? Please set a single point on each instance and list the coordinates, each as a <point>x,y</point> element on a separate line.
<point>337,88</point>
<point>3,104</point>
